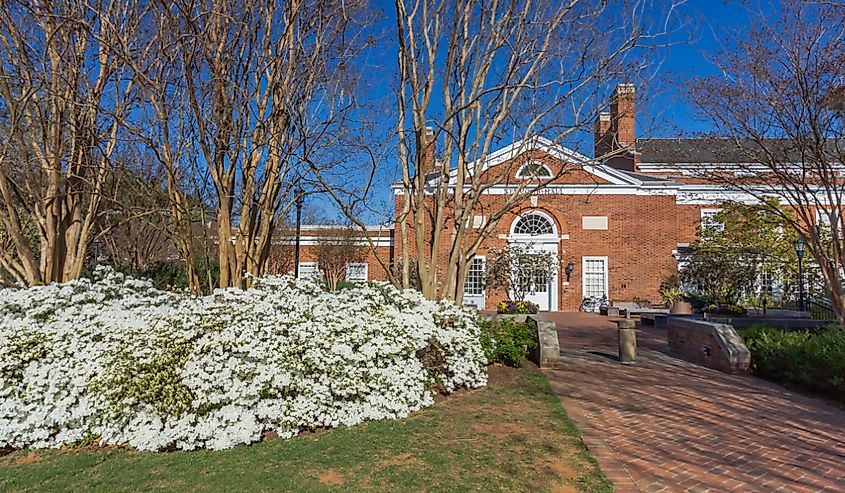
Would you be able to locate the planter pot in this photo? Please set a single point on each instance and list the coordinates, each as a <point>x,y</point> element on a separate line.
<point>681,308</point>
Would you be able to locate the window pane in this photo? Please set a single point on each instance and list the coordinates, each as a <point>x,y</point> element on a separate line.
<point>309,270</point>
<point>533,224</point>
<point>356,272</point>
<point>594,270</point>
<point>474,285</point>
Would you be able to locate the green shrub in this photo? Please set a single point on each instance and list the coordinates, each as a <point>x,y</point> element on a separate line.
<point>814,361</point>
<point>507,341</point>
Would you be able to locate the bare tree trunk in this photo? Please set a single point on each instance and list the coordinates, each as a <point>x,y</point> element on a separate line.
<point>62,87</point>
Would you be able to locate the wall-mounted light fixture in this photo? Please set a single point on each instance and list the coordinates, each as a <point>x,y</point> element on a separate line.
<point>570,268</point>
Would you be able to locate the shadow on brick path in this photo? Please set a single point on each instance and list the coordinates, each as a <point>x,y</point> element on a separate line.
<point>665,424</point>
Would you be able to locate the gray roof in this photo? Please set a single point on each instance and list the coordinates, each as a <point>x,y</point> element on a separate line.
<point>719,150</point>
<point>644,177</point>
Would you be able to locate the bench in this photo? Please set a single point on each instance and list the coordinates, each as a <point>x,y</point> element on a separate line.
<point>609,311</point>
<point>658,320</point>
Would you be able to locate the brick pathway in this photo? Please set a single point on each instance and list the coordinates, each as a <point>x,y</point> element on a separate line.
<point>668,425</point>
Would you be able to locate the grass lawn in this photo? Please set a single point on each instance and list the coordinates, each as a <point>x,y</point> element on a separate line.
<point>510,436</point>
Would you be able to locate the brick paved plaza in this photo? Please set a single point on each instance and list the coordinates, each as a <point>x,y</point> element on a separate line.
<point>668,425</point>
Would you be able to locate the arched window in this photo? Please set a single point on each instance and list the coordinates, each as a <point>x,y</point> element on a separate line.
<point>533,171</point>
<point>533,224</point>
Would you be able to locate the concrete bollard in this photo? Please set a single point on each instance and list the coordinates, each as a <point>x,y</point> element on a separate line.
<point>627,340</point>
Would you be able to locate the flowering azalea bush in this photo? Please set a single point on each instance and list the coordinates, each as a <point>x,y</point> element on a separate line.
<point>119,361</point>
<point>517,307</point>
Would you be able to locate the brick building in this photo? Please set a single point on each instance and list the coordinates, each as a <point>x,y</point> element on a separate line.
<point>618,224</point>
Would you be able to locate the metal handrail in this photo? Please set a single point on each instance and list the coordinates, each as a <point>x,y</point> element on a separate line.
<point>820,309</point>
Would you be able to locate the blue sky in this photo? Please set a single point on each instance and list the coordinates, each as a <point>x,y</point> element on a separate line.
<point>701,29</point>
<point>710,21</point>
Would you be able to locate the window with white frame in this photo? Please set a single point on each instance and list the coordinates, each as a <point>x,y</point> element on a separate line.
<point>595,276</point>
<point>766,282</point>
<point>534,171</point>
<point>534,225</point>
<point>709,221</point>
<point>474,285</point>
<point>309,270</point>
<point>357,272</point>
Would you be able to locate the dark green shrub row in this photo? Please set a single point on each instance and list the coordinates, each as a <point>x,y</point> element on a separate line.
<point>507,341</point>
<point>812,360</point>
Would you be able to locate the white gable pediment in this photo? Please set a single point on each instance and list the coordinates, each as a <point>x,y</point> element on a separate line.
<point>557,151</point>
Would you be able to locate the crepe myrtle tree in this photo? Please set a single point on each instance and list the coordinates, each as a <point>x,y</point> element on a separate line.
<point>335,251</point>
<point>519,270</point>
<point>243,98</point>
<point>469,77</point>
<point>63,94</point>
<point>777,105</point>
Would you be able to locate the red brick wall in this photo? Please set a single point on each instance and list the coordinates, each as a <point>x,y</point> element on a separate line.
<point>375,270</point>
<point>643,231</point>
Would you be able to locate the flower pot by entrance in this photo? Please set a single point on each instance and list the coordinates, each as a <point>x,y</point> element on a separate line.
<point>681,308</point>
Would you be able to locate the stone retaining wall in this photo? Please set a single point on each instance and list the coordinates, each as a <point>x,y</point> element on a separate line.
<point>547,352</point>
<point>711,344</point>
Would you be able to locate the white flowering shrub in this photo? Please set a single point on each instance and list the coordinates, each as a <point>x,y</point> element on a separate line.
<point>121,361</point>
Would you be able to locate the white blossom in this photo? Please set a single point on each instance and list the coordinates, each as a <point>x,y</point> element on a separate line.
<point>119,360</point>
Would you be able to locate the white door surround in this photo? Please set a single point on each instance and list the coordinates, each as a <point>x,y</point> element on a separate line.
<point>537,230</point>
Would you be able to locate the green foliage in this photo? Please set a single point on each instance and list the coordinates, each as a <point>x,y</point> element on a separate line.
<point>742,244</point>
<point>173,276</point>
<point>725,309</point>
<point>670,290</point>
<point>814,361</point>
<point>507,341</point>
<point>155,380</point>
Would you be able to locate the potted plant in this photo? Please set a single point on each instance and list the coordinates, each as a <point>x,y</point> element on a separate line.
<point>674,297</point>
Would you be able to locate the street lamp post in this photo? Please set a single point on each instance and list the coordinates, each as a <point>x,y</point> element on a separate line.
<point>300,199</point>
<point>800,246</point>
<point>96,252</point>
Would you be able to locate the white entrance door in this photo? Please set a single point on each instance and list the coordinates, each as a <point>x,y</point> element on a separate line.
<point>537,230</point>
<point>541,287</point>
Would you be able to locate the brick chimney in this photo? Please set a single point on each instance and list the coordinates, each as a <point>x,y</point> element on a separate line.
<point>602,136</point>
<point>426,147</point>
<point>622,116</point>
<point>616,130</point>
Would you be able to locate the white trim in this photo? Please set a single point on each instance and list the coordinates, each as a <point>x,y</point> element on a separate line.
<point>378,241</point>
<point>542,144</point>
<point>323,227</point>
<point>584,260</point>
<point>553,236</point>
